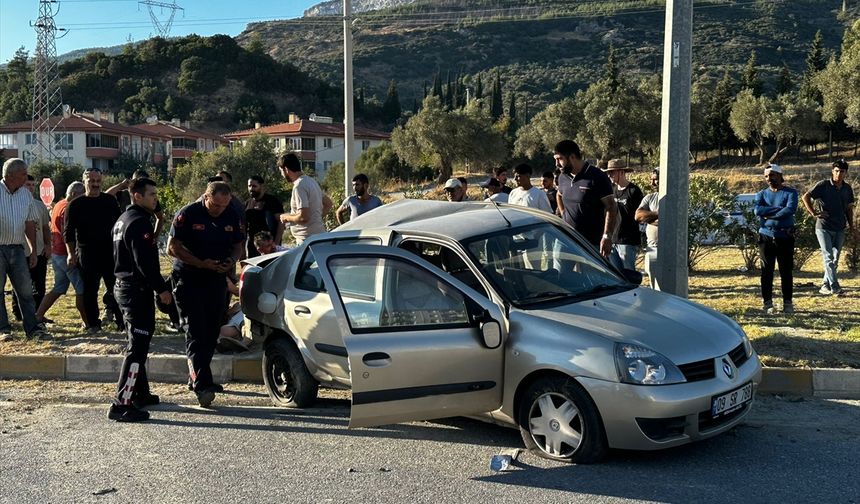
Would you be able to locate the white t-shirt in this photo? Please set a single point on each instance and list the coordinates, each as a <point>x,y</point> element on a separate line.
<point>499,197</point>
<point>533,198</point>
<point>307,194</point>
<point>651,203</point>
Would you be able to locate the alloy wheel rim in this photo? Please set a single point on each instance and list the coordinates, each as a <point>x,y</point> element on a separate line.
<point>281,379</point>
<point>555,425</point>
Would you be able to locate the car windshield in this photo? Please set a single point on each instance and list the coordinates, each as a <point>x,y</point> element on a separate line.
<point>541,264</point>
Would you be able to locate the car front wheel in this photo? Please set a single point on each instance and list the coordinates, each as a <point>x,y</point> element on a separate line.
<point>559,421</point>
<point>286,377</point>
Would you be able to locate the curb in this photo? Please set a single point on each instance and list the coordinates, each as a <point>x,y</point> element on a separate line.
<point>819,382</point>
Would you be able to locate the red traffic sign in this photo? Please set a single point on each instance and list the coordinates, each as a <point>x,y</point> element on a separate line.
<point>46,191</point>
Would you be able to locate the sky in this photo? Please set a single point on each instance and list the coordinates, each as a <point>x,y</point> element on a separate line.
<point>102,23</point>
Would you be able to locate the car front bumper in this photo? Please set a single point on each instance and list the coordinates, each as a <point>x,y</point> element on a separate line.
<point>642,417</point>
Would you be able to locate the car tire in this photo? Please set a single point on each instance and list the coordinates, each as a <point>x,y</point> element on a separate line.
<point>559,421</point>
<point>287,379</point>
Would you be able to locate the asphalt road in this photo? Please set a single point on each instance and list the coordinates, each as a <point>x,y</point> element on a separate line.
<point>65,450</point>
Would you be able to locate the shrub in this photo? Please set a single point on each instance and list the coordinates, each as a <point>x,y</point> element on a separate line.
<point>709,197</point>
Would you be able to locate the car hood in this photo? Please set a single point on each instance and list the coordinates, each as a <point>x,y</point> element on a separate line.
<point>681,330</point>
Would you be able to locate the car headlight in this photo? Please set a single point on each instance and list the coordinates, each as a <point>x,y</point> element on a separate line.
<point>748,349</point>
<point>642,366</point>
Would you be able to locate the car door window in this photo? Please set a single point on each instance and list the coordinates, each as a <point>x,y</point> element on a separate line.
<point>392,294</point>
<point>308,275</point>
<point>445,259</point>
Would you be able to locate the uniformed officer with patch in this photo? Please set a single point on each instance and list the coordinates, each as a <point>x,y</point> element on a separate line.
<point>206,240</point>
<point>138,275</point>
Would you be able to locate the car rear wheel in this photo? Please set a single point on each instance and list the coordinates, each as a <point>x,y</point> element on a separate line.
<point>559,421</point>
<point>287,379</point>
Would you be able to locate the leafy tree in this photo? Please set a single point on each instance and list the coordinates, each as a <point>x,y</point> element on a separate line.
<point>839,80</point>
<point>199,76</point>
<point>748,116</point>
<point>559,121</point>
<point>16,86</point>
<point>440,138</point>
<point>391,107</point>
<point>791,120</point>
<point>252,109</point>
<point>750,78</point>
<point>611,128</point>
<point>254,157</point>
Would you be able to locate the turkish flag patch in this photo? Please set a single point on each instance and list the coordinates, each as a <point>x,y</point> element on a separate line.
<point>179,220</point>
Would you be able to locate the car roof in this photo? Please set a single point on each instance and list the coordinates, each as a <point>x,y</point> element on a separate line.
<point>454,220</point>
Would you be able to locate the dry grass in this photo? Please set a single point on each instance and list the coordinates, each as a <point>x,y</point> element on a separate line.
<point>824,331</point>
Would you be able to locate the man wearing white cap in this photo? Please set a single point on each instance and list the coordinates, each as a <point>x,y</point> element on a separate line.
<point>454,190</point>
<point>775,207</point>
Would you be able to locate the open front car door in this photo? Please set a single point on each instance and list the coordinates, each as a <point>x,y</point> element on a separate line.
<point>421,344</point>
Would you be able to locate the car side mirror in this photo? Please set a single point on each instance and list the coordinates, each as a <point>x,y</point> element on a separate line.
<point>267,303</point>
<point>632,276</point>
<point>491,332</point>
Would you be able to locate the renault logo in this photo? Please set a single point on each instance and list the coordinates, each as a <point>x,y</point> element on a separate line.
<point>728,369</point>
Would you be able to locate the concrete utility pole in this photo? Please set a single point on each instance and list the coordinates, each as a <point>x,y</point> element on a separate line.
<point>672,271</point>
<point>348,113</point>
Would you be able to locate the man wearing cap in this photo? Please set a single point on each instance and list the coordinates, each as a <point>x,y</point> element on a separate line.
<point>585,196</point>
<point>494,191</point>
<point>628,196</point>
<point>455,191</point>
<point>525,194</point>
<point>775,207</point>
<point>833,211</point>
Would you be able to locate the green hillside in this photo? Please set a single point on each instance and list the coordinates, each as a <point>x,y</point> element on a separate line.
<point>545,49</point>
<point>211,80</point>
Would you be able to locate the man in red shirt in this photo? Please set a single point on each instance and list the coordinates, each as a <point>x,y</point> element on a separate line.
<point>63,274</point>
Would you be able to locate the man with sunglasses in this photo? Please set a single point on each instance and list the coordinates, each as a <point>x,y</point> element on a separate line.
<point>831,202</point>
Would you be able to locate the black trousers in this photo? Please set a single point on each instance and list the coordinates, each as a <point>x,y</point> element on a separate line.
<point>38,273</point>
<point>773,251</point>
<point>138,309</point>
<point>201,303</point>
<point>97,266</point>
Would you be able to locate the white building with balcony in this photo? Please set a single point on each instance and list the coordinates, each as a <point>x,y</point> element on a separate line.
<point>318,141</point>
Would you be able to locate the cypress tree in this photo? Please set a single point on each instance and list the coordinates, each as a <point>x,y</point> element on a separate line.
<point>750,79</point>
<point>479,88</point>
<point>391,107</point>
<point>513,123</point>
<point>496,107</point>
<point>437,84</point>
<point>785,82</point>
<point>610,69</point>
<point>815,63</point>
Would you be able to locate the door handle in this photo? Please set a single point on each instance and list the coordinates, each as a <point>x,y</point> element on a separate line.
<point>376,359</point>
<point>302,310</point>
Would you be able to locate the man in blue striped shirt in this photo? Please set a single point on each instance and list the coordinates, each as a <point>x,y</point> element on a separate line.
<point>17,228</point>
<point>775,207</point>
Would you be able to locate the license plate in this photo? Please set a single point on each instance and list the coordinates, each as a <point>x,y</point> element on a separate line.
<point>731,401</point>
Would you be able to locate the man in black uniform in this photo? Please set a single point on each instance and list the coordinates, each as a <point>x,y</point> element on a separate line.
<point>137,276</point>
<point>206,240</point>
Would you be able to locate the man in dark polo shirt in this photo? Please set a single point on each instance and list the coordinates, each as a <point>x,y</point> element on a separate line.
<point>206,240</point>
<point>831,202</point>
<point>586,199</point>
